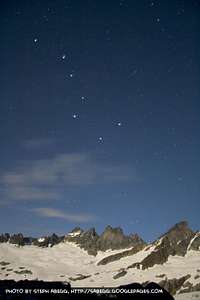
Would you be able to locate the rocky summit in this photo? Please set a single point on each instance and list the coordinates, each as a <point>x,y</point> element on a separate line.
<point>114,238</point>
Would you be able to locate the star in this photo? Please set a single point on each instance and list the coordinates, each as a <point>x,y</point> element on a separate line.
<point>119,124</point>
<point>63,56</point>
<point>71,75</point>
<point>35,40</point>
<point>100,138</point>
<point>45,18</point>
<point>158,20</point>
<point>121,2</point>
<point>82,98</point>
<point>74,116</point>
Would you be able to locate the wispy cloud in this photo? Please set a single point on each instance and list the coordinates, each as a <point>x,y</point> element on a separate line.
<point>38,143</point>
<point>46,178</point>
<point>55,213</point>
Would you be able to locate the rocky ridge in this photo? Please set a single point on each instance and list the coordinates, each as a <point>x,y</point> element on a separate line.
<point>111,238</point>
<point>89,240</point>
<point>176,241</point>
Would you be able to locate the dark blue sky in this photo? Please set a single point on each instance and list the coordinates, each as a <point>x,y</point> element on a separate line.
<point>99,115</point>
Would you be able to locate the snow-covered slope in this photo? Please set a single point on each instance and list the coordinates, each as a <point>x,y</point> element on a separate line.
<point>67,262</point>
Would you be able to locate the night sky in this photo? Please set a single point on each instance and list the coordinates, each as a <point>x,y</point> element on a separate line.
<point>99,115</point>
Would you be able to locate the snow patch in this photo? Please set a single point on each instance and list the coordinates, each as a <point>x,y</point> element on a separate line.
<point>196,235</point>
<point>73,234</point>
<point>40,240</point>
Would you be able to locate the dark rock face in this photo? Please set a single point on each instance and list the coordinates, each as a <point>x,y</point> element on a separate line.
<point>173,285</point>
<point>4,238</point>
<point>158,257</point>
<point>120,274</point>
<point>114,238</point>
<point>79,277</point>
<point>160,275</point>
<point>136,265</point>
<point>111,238</point>
<point>114,257</point>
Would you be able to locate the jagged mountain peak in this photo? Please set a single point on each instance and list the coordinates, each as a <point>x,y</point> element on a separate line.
<point>176,241</point>
<point>179,230</point>
<point>110,231</point>
<point>114,238</point>
<point>109,228</point>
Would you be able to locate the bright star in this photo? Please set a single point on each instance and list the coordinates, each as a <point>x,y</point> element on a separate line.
<point>63,56</point>
<point>100,138</point>
<point>74,116</point>
<point>35,40</point>
<point>119,124</point>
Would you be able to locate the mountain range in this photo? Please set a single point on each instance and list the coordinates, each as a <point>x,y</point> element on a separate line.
<point>85,258</point>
